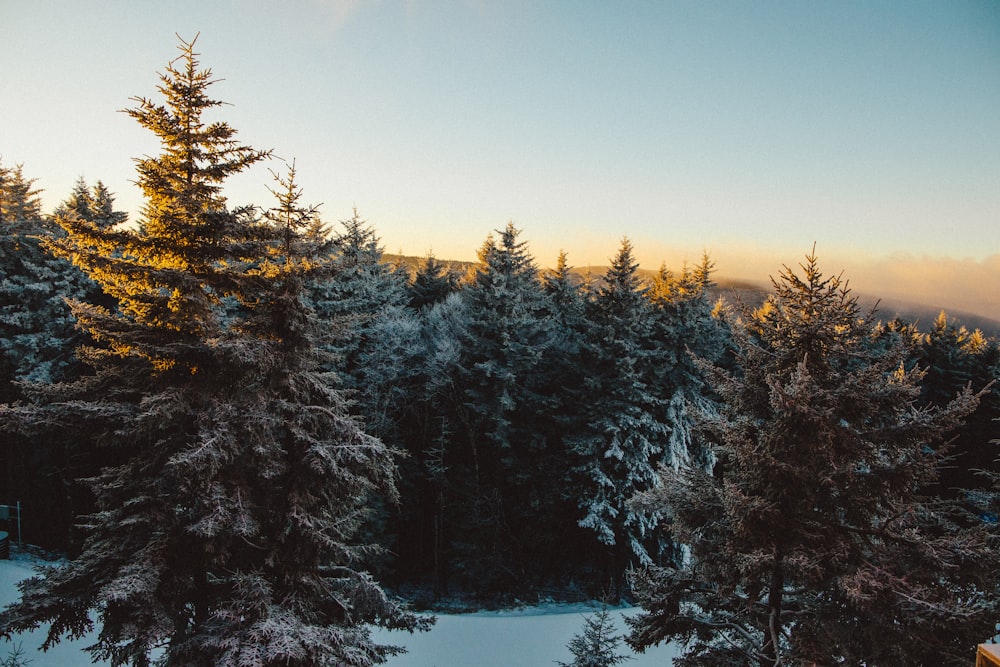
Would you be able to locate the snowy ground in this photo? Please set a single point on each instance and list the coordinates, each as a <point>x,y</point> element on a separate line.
<point>530,637</point>
<point>65,654</point>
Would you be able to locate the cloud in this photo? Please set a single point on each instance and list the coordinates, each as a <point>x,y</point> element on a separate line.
<point>967,285</point>
<point>956,285</point>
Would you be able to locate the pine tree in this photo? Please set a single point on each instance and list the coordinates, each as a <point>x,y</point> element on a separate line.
<point>359,292</point>
<point>626,437</point>
<point>430,514</point>
<point>953,357</point>
<point>37,333</point>
<point>499,447</point>
<point>37,339</point>
<point>234,480</point>
<point>567,298</point>
<point>432,283</point>
<point>19,200</point>
<point>597,646</point>
<point>95,205</point>
<point>811,540</point>
<point>686,326</point>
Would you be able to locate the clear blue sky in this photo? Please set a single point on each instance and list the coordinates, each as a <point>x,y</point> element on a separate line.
<point>747,129</point>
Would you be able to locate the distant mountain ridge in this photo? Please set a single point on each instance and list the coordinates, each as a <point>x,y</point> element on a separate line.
<point>753,293</point>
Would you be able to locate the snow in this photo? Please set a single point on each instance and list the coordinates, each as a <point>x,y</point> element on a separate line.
<point>63,654</point>
<point>530,636</point>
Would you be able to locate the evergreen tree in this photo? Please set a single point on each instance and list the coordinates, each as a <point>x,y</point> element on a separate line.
<point>37,340</point>
<point>429,516</point>
<point>811,540</point>
<point>568,380</point>
<point>235,480</point>
<point>79,201</point>
<point>37,333</point>
<point>598,645</point>
<point>953,357</point>
<point>499,447</point>
<point>95,205</point>
<point>567,298</point>
<point>627,435</point>
<point>358,293</point>
<point>432,282</point>
<point>19,200</point>
<point>686,327</point>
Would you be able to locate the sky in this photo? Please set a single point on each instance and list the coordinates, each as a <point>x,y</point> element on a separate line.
<point>748,130</point>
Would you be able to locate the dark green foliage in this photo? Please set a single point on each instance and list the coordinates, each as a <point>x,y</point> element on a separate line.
<point>432,282</point>
<point>954,358</point>
<point>499,454</point>
<point>626,435</point>
<point>598,645</point>
<point>19,201</point>
<point>813,539</point>
<point>239,363</point>
<point>234,480</point>
<point>38,336</point>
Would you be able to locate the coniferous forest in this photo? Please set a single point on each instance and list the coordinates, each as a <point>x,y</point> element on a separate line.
<point>255,438</point>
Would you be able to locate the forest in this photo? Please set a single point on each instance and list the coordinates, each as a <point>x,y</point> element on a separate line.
<point>254,437</point>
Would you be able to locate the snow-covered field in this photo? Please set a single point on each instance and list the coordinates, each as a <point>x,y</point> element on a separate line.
<point>529,637</point>
<point>522,638</point>
<point>65,654</point>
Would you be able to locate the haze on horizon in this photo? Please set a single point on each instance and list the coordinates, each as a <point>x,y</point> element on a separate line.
<point>747,130</point>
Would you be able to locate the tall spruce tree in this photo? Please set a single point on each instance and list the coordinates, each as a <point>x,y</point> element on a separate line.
<point>811,541</point>
<point>431,514</point>
<point>365,298</point>
<point>95,205</point>
<point>626,437</point>
<point>234,478</point>
<point>499,448</point>
<point>37,333</point>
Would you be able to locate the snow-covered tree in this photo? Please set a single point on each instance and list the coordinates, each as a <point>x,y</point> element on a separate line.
<point>19,198</point>
<point>95,205</point>
<point>427,425</point>
<point>686,326</point>
<point>953,357</point>
<point>235,479</point>
<point>812,540</point>
<point>598,645</point>
<point>568,302</point>
<point>432,283</point>
<point>627,434</point>
<point>499,448</point>
<point>37,333</point>
<point>38,336</point>
<point>354,298</point>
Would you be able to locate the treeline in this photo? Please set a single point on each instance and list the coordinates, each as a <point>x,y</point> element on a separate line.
<point>528,406</point>
<point>239,423</point>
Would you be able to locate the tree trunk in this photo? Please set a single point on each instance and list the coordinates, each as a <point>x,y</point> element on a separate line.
<point>774,598</point>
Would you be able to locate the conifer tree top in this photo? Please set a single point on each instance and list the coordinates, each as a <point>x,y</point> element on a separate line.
<point>184,182</point>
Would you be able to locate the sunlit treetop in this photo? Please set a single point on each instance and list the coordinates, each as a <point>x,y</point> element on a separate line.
<point>190,252</point>
<point>183,184</point>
